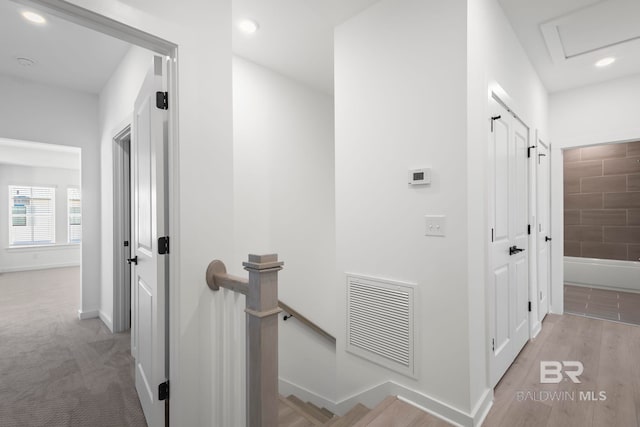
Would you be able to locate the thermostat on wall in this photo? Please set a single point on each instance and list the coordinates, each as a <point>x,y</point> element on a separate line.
<point>420,176</point>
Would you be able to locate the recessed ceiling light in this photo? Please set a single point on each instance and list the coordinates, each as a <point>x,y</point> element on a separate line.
<point>605,61</point>
<point>34,17</point>
<point>248,26</point>
<point>26,62</point>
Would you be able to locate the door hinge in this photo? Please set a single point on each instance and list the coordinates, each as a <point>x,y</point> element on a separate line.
<point>529,305</point>
<point>493,344</point>
<point>162,100</point>
<point>529,150</point>
<point>126,243</point>
<point>163,391</point>
<point>528,228</point>
<point>493,119</point>
<point>492,234</point>
<point>163,245</point>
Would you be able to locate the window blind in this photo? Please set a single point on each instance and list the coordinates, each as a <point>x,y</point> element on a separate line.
<point>32,216</point>
<point>74,215</point>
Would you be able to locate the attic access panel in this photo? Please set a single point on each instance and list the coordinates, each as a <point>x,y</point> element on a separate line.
<point>593,28</point>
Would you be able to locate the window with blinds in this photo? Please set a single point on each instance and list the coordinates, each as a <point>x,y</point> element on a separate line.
<point>74,209</point>
<point>32,215</point>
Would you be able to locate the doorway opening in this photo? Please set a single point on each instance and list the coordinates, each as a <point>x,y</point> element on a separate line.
<point>122,230</point>
<point>602,231</point>
<point>100,302</point>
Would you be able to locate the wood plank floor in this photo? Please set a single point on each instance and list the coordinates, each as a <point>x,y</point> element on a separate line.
<point>610,353</point>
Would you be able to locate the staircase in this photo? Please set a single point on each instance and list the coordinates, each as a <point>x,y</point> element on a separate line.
<point>262,305</point>
<point>293,412</point>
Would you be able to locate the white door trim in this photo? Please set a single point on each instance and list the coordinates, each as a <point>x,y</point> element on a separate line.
<point>127,33</point>
<point>121,230</point>
<point>540,140</point>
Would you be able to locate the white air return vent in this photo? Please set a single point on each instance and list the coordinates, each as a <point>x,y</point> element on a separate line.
<point>380,322</point>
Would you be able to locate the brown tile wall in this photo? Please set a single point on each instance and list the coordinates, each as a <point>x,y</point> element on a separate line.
<point>602,201</point>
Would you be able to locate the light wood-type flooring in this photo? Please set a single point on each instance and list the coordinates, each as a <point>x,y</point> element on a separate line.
<point>391,412</point>
<point>610,353</point>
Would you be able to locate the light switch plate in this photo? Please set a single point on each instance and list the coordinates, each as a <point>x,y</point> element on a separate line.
<point>435,225</point>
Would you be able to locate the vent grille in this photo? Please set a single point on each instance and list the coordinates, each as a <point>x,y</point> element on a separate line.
<point>380,322</point>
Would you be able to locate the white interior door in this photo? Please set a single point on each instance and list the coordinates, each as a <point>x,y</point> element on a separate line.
<point>148,282</point>
<point>543,229</point>
<point>508,266</point>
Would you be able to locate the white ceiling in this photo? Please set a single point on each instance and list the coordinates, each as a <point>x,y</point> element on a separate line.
<point>65,54</point>
<point>35,154</point>
<point>564,38</point>
<point>295,36</point>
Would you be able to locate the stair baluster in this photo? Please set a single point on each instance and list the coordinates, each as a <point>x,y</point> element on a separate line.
<point>262,311</point>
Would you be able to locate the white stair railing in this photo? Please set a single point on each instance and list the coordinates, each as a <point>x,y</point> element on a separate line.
<point>261,291</point>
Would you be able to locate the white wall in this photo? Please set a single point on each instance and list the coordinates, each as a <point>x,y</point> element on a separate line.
<point>62,254</point>
<point>494,56</point>
<point>115,113</point>
<point>596,114</point>
<point>284,203</point>
<point>202,197</point>
<point>52,115</point>
<point>400,96</point>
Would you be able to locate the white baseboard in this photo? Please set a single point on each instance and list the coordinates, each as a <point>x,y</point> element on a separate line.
<point>286,388</point>
<point>536,329</point>
<point>106,320</point>
<point>371,397</point>
<point>38,267</point>
<point>89,314</point>
<point>482,408</point>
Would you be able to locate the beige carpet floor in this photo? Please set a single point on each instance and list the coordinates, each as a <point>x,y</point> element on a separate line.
<point>56,370</point>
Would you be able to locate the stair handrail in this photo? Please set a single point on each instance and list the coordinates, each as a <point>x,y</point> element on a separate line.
<point>305,321</point>
<point>262,331</point>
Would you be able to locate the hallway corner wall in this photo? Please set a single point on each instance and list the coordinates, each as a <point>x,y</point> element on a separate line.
<point>400,96</point>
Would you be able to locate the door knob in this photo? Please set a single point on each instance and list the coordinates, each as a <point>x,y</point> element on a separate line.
<point>514,250</point>
<point>547,238</point>
<point>133,260</point>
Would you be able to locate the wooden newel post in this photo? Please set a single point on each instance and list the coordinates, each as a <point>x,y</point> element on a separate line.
<point>262,340</point>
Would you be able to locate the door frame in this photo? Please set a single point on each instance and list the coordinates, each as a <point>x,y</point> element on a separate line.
<point>540,139</point>
<point>121,230</point>
<point>148,40</point>
<point>499,95</point>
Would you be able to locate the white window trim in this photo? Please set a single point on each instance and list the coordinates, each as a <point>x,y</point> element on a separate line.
<point>10,216</point>
<point>69,241</point>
